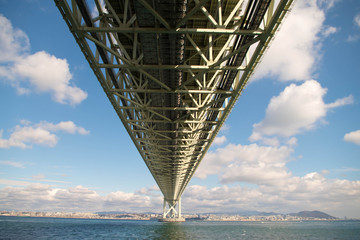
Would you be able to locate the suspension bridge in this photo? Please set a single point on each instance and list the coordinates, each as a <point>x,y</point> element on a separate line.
<point>173,70</point>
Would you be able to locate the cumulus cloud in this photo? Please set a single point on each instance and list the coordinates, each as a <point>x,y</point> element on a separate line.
<point>247,163</point>
<point>297,39</point>
<point>298,108</point>
<point>150,191</point>
<point>41,134</point>
<point>273,187</point>
<point>312,191</point>
<point>353,137</point>
<point>67,126</point>
<point>23,135</point>
<point>357,20</point>
<point>39,72</point>
<point>43,197</point>
<point>219,140</point>
<point>225,128</point>
<point>46,73</point>
<point>119,199</point>
<point>14,42</point>
<point>198,198</point>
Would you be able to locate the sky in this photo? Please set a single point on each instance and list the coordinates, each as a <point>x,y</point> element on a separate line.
<point>291,143</point>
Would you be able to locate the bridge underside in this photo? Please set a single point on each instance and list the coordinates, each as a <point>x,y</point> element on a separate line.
<point>173,71</point>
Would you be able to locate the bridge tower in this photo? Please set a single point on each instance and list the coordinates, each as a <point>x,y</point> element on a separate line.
<point>173,71</point>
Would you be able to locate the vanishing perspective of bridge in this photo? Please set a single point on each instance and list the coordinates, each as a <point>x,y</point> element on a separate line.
<point>173,70</point>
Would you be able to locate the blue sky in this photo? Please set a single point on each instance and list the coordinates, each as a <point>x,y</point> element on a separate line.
<point>291,143</point>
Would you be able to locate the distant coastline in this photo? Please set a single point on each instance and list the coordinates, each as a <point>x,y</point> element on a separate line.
<point>301,216</point>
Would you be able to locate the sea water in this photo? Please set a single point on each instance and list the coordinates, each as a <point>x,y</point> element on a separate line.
<point>60,228</point>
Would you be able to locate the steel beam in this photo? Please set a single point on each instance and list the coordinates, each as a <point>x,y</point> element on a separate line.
<point>173,125</point>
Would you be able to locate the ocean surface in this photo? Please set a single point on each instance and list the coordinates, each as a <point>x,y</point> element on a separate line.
<point>60,228</point>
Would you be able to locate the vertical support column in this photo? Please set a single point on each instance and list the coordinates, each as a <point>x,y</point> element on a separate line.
<point>169,211</point>
<point>164,209</point>
<point>179,208</point>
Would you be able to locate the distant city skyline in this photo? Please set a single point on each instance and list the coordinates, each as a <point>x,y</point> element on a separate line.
<point>291,143</point>
<point>314,215</point>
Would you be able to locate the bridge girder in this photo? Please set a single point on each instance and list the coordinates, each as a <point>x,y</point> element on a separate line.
<point>173,80</point>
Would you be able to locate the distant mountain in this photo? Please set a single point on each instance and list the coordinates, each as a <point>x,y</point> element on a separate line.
<point>312,214</point>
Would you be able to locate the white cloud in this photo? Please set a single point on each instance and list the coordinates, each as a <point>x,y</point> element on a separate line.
<point>14,42</point>
<point>43,197</point>
<point>39,72</point>
<point>341,102</point>
<point>23,135</point>
<point>329,30</point>
<point>46,198</point>
<point>219,199</point>
<point>271,141</point>
<point>298,108</point>
<point>297,39</point>
<point>46,73</point>
<point>219,140</point>
<point>225,128</point>
<point>12,163</point>
<point>353,137</point>
<point>292,141</point>
<point>41,134</point>
<point>130,200</point>
<point>312,191</point>
<point>151,191</point>
<point>67,126</point>
<point>273,187</point>
<point>357,20</point>
<point>355,36</point>
<point>327,4</point>
<point>246,163</point>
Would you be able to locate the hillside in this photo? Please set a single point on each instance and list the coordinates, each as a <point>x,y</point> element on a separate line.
<point>312,214</point>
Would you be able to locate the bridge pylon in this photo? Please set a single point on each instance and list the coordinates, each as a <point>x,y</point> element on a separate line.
<point>172,211</point>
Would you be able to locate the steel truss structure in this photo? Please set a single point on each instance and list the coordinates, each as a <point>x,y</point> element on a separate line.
<point>173,71</point>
